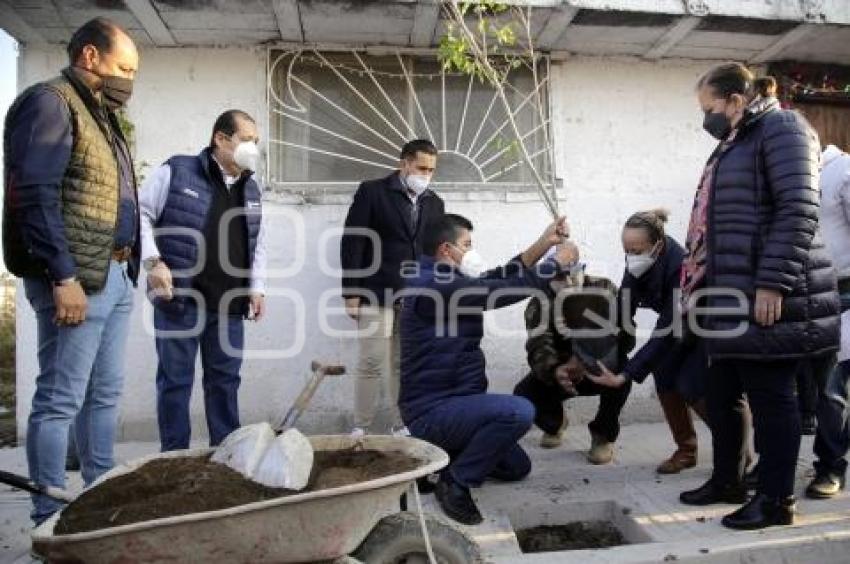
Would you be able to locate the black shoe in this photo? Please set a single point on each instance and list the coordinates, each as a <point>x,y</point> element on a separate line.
<point>457,502</point>
<point>425,486</point>
<point>751,478</point>
<point>761,512</point>
<point>711,492</point>
<point>825,486</point>
<point>808,425</point>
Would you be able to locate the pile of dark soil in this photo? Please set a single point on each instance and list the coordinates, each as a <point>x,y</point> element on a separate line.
<point>571,536</point>
<point>178,486</point>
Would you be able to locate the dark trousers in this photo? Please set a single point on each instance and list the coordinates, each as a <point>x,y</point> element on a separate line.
<point>480,434</point>
<point>770,389</point>
<point>178,337</point>
<point>833,435</point>
<point>548,403</point>
<point>807,387</point>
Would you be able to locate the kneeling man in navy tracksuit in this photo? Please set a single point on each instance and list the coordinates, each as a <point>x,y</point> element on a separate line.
<point>443,396</point>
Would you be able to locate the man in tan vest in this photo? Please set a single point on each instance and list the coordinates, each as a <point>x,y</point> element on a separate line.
<point>71,230</point>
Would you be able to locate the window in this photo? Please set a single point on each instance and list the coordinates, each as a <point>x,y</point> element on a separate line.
<point>340,118</point>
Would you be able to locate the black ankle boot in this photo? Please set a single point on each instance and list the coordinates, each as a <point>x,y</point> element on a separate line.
<point>457,502</point>
<point>762,511</point>
<point>712,492</point>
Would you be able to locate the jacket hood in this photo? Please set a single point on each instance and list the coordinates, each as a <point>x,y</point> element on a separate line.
<point>830,154</point>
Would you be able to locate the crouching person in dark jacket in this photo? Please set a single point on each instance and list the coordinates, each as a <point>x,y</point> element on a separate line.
<point>443,397</point>
<point>566,340</point>
<point>678,365</point>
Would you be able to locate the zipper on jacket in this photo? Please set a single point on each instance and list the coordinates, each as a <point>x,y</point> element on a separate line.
<point>709,227</point>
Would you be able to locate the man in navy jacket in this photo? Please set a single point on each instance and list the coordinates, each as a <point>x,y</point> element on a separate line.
<point>443,396</point>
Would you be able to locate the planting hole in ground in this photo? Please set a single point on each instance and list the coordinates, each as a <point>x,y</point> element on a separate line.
<point>575,526</point>
<point>570,536</point>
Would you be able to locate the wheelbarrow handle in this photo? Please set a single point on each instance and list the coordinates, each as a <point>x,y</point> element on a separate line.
<point>24,483</point>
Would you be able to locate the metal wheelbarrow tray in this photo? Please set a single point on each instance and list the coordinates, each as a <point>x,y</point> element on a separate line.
<point>319,525</point>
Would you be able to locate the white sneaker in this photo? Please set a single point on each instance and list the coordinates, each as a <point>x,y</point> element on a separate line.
<point>357,432</point>
<point>401,431</point>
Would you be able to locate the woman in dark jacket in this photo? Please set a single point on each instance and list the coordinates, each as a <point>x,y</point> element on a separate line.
<point>651,280</point>
<point>759,285</point>
<point>679,366</point>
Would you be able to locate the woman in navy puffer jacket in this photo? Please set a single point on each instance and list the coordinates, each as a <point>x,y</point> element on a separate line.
<point>755,251</point>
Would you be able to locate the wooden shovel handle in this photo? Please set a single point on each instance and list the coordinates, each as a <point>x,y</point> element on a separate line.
<point>328,369</point>
<point>319,372</point>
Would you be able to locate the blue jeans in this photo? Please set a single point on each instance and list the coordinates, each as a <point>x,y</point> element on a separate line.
<point>480,433</point>
<point>833,435</point>
<point>81,374</point>
<point>175,373</point>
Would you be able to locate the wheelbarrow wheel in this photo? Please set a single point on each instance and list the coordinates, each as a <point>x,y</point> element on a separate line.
<point>397,539</point>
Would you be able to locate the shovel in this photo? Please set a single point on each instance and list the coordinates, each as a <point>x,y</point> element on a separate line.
<point>24,483</point>
<point>319,372</point>
<point>279,456</point>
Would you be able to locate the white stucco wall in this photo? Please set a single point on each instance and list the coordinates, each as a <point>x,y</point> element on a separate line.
<point>627,134</point>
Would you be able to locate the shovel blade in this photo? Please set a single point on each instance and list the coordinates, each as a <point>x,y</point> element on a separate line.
<point>244,448</point>
<point>287,462</point>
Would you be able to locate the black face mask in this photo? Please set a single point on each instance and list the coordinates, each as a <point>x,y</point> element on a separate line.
<point>116,91</point>
<point>717,125</point>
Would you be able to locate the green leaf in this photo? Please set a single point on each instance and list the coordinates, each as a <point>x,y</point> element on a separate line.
<point>506,35</point>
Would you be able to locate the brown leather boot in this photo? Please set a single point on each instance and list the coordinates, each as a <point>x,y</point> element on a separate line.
<point>682,428</point>
<point>700,409</point>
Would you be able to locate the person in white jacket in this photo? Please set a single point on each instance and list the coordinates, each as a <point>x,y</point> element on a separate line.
<point>833,433</point>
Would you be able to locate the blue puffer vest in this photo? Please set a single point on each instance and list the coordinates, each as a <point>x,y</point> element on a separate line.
<point>189,197</point>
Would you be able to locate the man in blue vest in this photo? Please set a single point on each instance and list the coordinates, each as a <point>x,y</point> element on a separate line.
<point>203,246</point>
<point>443,397</point>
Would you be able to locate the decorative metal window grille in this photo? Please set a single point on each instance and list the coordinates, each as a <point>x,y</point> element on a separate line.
<point>342,117</point>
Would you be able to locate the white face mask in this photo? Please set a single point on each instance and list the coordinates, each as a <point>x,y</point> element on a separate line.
<point>418,183</point>
<point>472,264</point>
<point>577,279</point>
<point>638,265</point>
<point>247,155</point>
<point>574,278</point>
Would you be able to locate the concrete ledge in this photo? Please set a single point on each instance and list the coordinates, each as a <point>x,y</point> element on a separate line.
<point>341,194</point>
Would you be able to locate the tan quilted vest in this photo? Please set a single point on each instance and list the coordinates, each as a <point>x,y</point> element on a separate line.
<point>89,198</point>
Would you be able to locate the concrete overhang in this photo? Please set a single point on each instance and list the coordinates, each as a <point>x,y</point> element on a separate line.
<point>754,30</point>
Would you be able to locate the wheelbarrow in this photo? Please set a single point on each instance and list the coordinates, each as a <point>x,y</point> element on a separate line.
<point>313,526</point>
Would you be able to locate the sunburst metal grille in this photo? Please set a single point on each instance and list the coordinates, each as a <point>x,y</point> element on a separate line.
<point>341,117</point>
